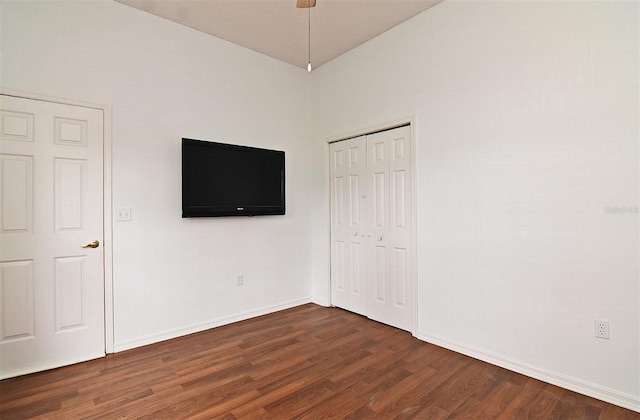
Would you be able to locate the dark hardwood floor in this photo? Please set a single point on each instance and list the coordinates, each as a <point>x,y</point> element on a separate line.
<point>307,362</point>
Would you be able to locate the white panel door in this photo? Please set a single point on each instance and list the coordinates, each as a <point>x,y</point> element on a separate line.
<point>389,192</point>
<point>371,227</point>
<point>348,224</point>
<point>51,192</point>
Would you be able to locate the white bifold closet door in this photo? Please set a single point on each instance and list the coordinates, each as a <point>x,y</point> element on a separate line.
<point>371,227</point>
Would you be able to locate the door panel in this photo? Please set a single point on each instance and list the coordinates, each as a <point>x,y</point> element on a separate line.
<point>348,160</point>
<point>399,310</point>
<point>16,197</point>
<point>52,302</point>
<point>400,276</point>
<point>16,294</point>
<point>69,281</point>
<point>378,191</point>
<point>379,276</point>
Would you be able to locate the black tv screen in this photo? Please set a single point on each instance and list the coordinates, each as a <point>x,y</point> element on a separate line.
<point>228,180</point>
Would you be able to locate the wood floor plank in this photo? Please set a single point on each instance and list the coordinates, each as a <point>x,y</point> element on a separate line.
<point>307,362</point>
<point>496,402</point>
<point>223,408</point>
<point>301,400</point>
<point>528,393</point>
<point>412,393</point>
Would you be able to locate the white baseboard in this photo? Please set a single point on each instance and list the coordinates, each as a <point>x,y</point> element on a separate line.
<point>320,302</point>
<point>179,332</point>
<point>631,402</point>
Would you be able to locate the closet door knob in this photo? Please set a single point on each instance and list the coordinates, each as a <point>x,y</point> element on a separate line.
<point>379,238</point>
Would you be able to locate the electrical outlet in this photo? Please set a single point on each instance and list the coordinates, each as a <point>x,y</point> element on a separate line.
<point>602,328</point>
<point>240,280</point>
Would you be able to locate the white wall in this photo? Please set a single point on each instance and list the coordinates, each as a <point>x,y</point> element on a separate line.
<point>527,129</point>
<point>165,81</point>
<point>526,132</point>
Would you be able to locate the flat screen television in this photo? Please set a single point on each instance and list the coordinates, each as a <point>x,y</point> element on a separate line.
<point>229,180</point>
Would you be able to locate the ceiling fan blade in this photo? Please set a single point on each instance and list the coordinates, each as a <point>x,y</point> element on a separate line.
<point>304,4</point>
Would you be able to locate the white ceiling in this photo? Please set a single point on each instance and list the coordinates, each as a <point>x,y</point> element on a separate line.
<point>280,30</point>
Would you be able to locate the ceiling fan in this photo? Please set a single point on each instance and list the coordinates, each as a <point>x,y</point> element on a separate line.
<point>305,4</point>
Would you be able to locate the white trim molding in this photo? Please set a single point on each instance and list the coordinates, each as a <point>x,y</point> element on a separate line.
<point>631,402</point>
<point>320,302</point>
<point>195,328</point>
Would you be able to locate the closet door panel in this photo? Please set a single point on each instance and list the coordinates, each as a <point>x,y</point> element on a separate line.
<point>389,170</point>
<point>348,224</point>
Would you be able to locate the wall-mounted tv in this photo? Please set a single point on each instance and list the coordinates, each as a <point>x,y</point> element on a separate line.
<point>229,180</point>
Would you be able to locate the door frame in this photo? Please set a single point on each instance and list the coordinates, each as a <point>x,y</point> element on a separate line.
<point>410,121</point>
<point>106,200</point>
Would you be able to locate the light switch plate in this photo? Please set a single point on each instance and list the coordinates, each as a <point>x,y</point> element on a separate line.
<point>123,214</point>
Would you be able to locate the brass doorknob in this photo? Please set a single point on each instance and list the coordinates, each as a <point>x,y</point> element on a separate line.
<point>92,244</point>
